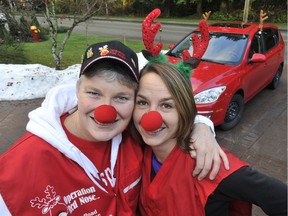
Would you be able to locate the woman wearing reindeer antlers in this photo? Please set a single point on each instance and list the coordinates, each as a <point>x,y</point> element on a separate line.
<point>163,115</point>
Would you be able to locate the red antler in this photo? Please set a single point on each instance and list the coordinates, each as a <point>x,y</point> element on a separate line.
<point>149,32</point>
<point>199,45</point>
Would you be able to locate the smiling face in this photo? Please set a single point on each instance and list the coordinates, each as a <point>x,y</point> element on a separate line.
<point>164,89</point>
<point>105,83</point>
<point>153,95</point>
<point>96,91</point>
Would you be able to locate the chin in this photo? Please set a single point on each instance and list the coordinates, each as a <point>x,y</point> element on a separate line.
<point>151,141</point>
<point>100,136</point>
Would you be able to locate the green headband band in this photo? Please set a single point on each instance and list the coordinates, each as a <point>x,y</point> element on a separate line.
<point>185,69</point>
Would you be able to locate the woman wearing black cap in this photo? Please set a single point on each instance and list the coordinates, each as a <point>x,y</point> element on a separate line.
<point>78,158</point>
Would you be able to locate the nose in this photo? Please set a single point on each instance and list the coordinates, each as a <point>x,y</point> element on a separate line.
<point>105,114</point>
<point>151,121</point>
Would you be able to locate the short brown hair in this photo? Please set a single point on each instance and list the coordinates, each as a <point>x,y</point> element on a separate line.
<point>111,70</point>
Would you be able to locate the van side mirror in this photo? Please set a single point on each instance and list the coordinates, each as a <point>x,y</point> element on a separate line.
<point>258,58</point>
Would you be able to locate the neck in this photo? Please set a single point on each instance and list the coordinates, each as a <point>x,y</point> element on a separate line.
<point>162,152</point>
<point>71,123</point>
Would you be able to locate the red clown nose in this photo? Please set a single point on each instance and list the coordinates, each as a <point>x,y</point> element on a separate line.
<point>151,121</point>
<point>105,114</point>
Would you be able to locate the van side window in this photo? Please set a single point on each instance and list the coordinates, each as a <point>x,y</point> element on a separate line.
<point>271,38</point>
<point>255,46</point>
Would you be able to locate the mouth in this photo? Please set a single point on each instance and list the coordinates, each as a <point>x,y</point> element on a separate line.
<point>155,132</point>
<point>103,124</point>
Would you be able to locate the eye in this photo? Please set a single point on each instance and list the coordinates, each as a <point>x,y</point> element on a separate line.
<point>121,98</point>
<point>93,93</point>
<point>141,102</point>
<point>167,106</point>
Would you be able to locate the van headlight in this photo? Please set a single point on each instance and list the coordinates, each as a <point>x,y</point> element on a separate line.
<point>209,95</point>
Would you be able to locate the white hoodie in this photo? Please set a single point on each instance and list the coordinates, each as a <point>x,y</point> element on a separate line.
<point>45,123</point>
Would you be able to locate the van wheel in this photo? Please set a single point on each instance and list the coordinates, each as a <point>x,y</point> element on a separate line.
<point>234,112</point>
<point>276,80</point>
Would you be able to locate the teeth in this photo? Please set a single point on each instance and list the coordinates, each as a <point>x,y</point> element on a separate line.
<point>160,129</point>
<point>104,124</point>
<point>156,131</point>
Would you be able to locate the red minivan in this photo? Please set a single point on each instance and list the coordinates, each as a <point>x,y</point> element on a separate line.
<point>239,62</point>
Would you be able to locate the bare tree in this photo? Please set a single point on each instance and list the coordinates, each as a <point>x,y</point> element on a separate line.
<point>83,10</point>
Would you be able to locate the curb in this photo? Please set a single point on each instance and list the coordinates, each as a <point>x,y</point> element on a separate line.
<point>194,24</point>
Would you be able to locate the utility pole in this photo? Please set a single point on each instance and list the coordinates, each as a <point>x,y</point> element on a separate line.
<point>246,10</point>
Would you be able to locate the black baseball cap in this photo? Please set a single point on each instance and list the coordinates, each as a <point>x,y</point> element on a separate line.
<point>114,50</point>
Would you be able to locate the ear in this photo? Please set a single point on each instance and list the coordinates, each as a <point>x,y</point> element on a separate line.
<point>78,83</point>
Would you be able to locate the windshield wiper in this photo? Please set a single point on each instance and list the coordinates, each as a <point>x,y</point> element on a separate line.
<point>208,60</point>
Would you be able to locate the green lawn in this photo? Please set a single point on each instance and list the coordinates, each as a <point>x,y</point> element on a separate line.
<point>40,53</point>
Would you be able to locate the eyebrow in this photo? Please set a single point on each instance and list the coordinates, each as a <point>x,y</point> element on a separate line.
<point>162,99</point>
<point>100,90</point>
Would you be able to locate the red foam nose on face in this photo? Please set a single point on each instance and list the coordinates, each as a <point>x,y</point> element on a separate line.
<point>105,114</point>
<point>151,121</point>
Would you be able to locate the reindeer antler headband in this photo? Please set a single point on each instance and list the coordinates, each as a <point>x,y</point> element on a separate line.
<point>152,52</point>
<point>149,32</point>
